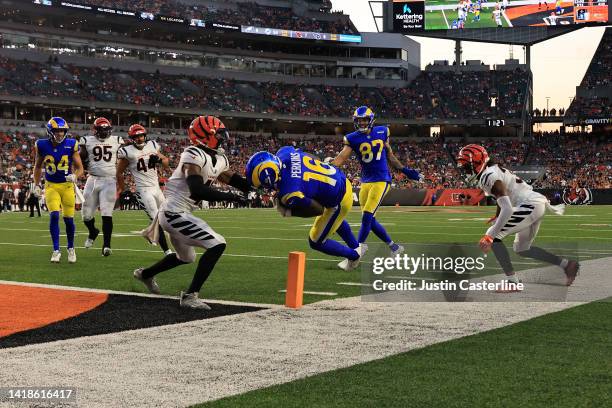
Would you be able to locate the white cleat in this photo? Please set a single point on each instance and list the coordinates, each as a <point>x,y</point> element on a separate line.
<point>71,255</point>
<point>343,264</point>
<point>192,301</point>
<point>149,283</point>
<point>56,256</point>
<point>88,243</point>
<point>168,252</point>
<point>396,249</point>
<point>350,265</point>
<point>107,251</point>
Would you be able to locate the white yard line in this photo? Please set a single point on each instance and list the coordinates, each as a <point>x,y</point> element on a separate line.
<point>445,20</point>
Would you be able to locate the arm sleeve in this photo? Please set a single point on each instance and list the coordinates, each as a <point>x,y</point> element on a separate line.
<point>295,199</point>
<point>122,153</point>
<point>200,191</point>
<point>505,212</point>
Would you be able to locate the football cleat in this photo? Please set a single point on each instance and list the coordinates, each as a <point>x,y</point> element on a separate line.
<point>168,252</point>
<point>345,263</point>
<point>396,249</point>
<point>192,301</point>
<point>571,271</point>
<point>106,251</point>
<point>150,283</point>
<point>90,241</point>
<point>56,256</point>
<point>71,255</point>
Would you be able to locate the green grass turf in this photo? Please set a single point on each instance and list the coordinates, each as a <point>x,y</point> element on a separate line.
<point>254,267</point>
<point>558,360</point>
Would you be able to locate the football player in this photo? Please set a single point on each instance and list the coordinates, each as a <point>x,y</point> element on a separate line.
<point>371,146</point>
<point>520,211</point>
<point>99,151</point>
<point>59,155</point>
<point>307,187</point>
<point>141,159</point>
<point>200,165</point>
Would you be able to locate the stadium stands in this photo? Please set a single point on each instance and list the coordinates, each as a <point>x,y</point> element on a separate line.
<point>239,13</point>
<point>594,95</point>
<point>456,95</point>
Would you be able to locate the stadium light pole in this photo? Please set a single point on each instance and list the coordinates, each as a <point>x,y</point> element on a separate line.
<point>547,99</point>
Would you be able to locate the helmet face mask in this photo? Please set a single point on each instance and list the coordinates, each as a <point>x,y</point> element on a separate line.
<point>263,170</point>
<point>102,128</point>
<point>57,130</point>
<point>138,135</point>
<point>363,119</point>
<point>208,132</point>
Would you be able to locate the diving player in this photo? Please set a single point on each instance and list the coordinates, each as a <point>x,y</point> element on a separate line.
<point>99,151</point>
<point>200,165</point>
<point>141,159</point>
<point>307,188</point>
<point>520,211</point>
<point>60,158</point>
<point>371,146</point>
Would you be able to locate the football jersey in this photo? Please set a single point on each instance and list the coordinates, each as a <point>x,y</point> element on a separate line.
<point>101,155</point>
<point>177,191</point>
<point>57,159</point>
<point>144,172</point>
<point>304,176</point>
<point>371,152</point>
<point>518,190</point>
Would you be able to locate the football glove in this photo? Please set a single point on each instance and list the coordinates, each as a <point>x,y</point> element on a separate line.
<point>154,160</point>
<point>71,178</point>
<point>485,243</point>
<point>328,160</point>
<point>38,191</point>
<point>283,210</point>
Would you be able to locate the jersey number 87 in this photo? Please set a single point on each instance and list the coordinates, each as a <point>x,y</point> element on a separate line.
<point>367,154</point>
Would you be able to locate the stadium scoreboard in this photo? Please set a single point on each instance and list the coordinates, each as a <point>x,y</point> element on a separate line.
<point>409,16</point>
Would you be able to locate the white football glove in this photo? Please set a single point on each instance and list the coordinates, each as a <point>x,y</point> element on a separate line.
<point>328,160</point>
<point>38,191</point>
<point>71,178</point>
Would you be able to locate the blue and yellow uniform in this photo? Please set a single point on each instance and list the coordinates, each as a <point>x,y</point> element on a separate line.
<point>57,163</point>
<point>304,178</point>
<point>371,151</point>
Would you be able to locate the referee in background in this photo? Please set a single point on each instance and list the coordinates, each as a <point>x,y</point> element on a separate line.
<point>34,193</point>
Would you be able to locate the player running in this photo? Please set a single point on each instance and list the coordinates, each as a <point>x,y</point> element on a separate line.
<point>371,146</point>
<point>141,159</point>
<point>520,211</point>
<point>60,158</point>
<point>99,151</point>
<point>200,165</point>
<point>307,188</point>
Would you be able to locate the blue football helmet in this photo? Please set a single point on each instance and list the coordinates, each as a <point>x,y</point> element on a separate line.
<point>263,170</point>
<point>363,112</point>
<point>53,126</point>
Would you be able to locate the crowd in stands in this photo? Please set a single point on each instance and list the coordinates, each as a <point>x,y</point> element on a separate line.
<point>465,95</point>
<point>597,78</point>
<point>570,160</point>
<point>239,13</point>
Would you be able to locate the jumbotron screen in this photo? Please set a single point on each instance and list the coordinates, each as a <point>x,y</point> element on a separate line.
<point>418,15</point>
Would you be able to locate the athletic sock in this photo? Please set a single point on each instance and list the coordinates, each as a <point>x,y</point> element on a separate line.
<point>541,255</point>
<point>163,243</point>
<point>70,229</point>
<point>503,256</point>
<point>207,262</point>
<point>346,234</point>
<point>91,227</point>
<point>334,248</point>
<point>167,262</point>
<point>107,230</point>
<point>366,226</point>
<point>54,229</point>
<point>381,232</point>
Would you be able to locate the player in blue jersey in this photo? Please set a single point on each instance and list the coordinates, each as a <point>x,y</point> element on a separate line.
<point>371,146</point>
<point>59,156</point>
<point>307,187</point>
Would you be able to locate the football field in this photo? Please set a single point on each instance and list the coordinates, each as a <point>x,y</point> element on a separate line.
<point>254,266</point>
<point>338,351</point>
